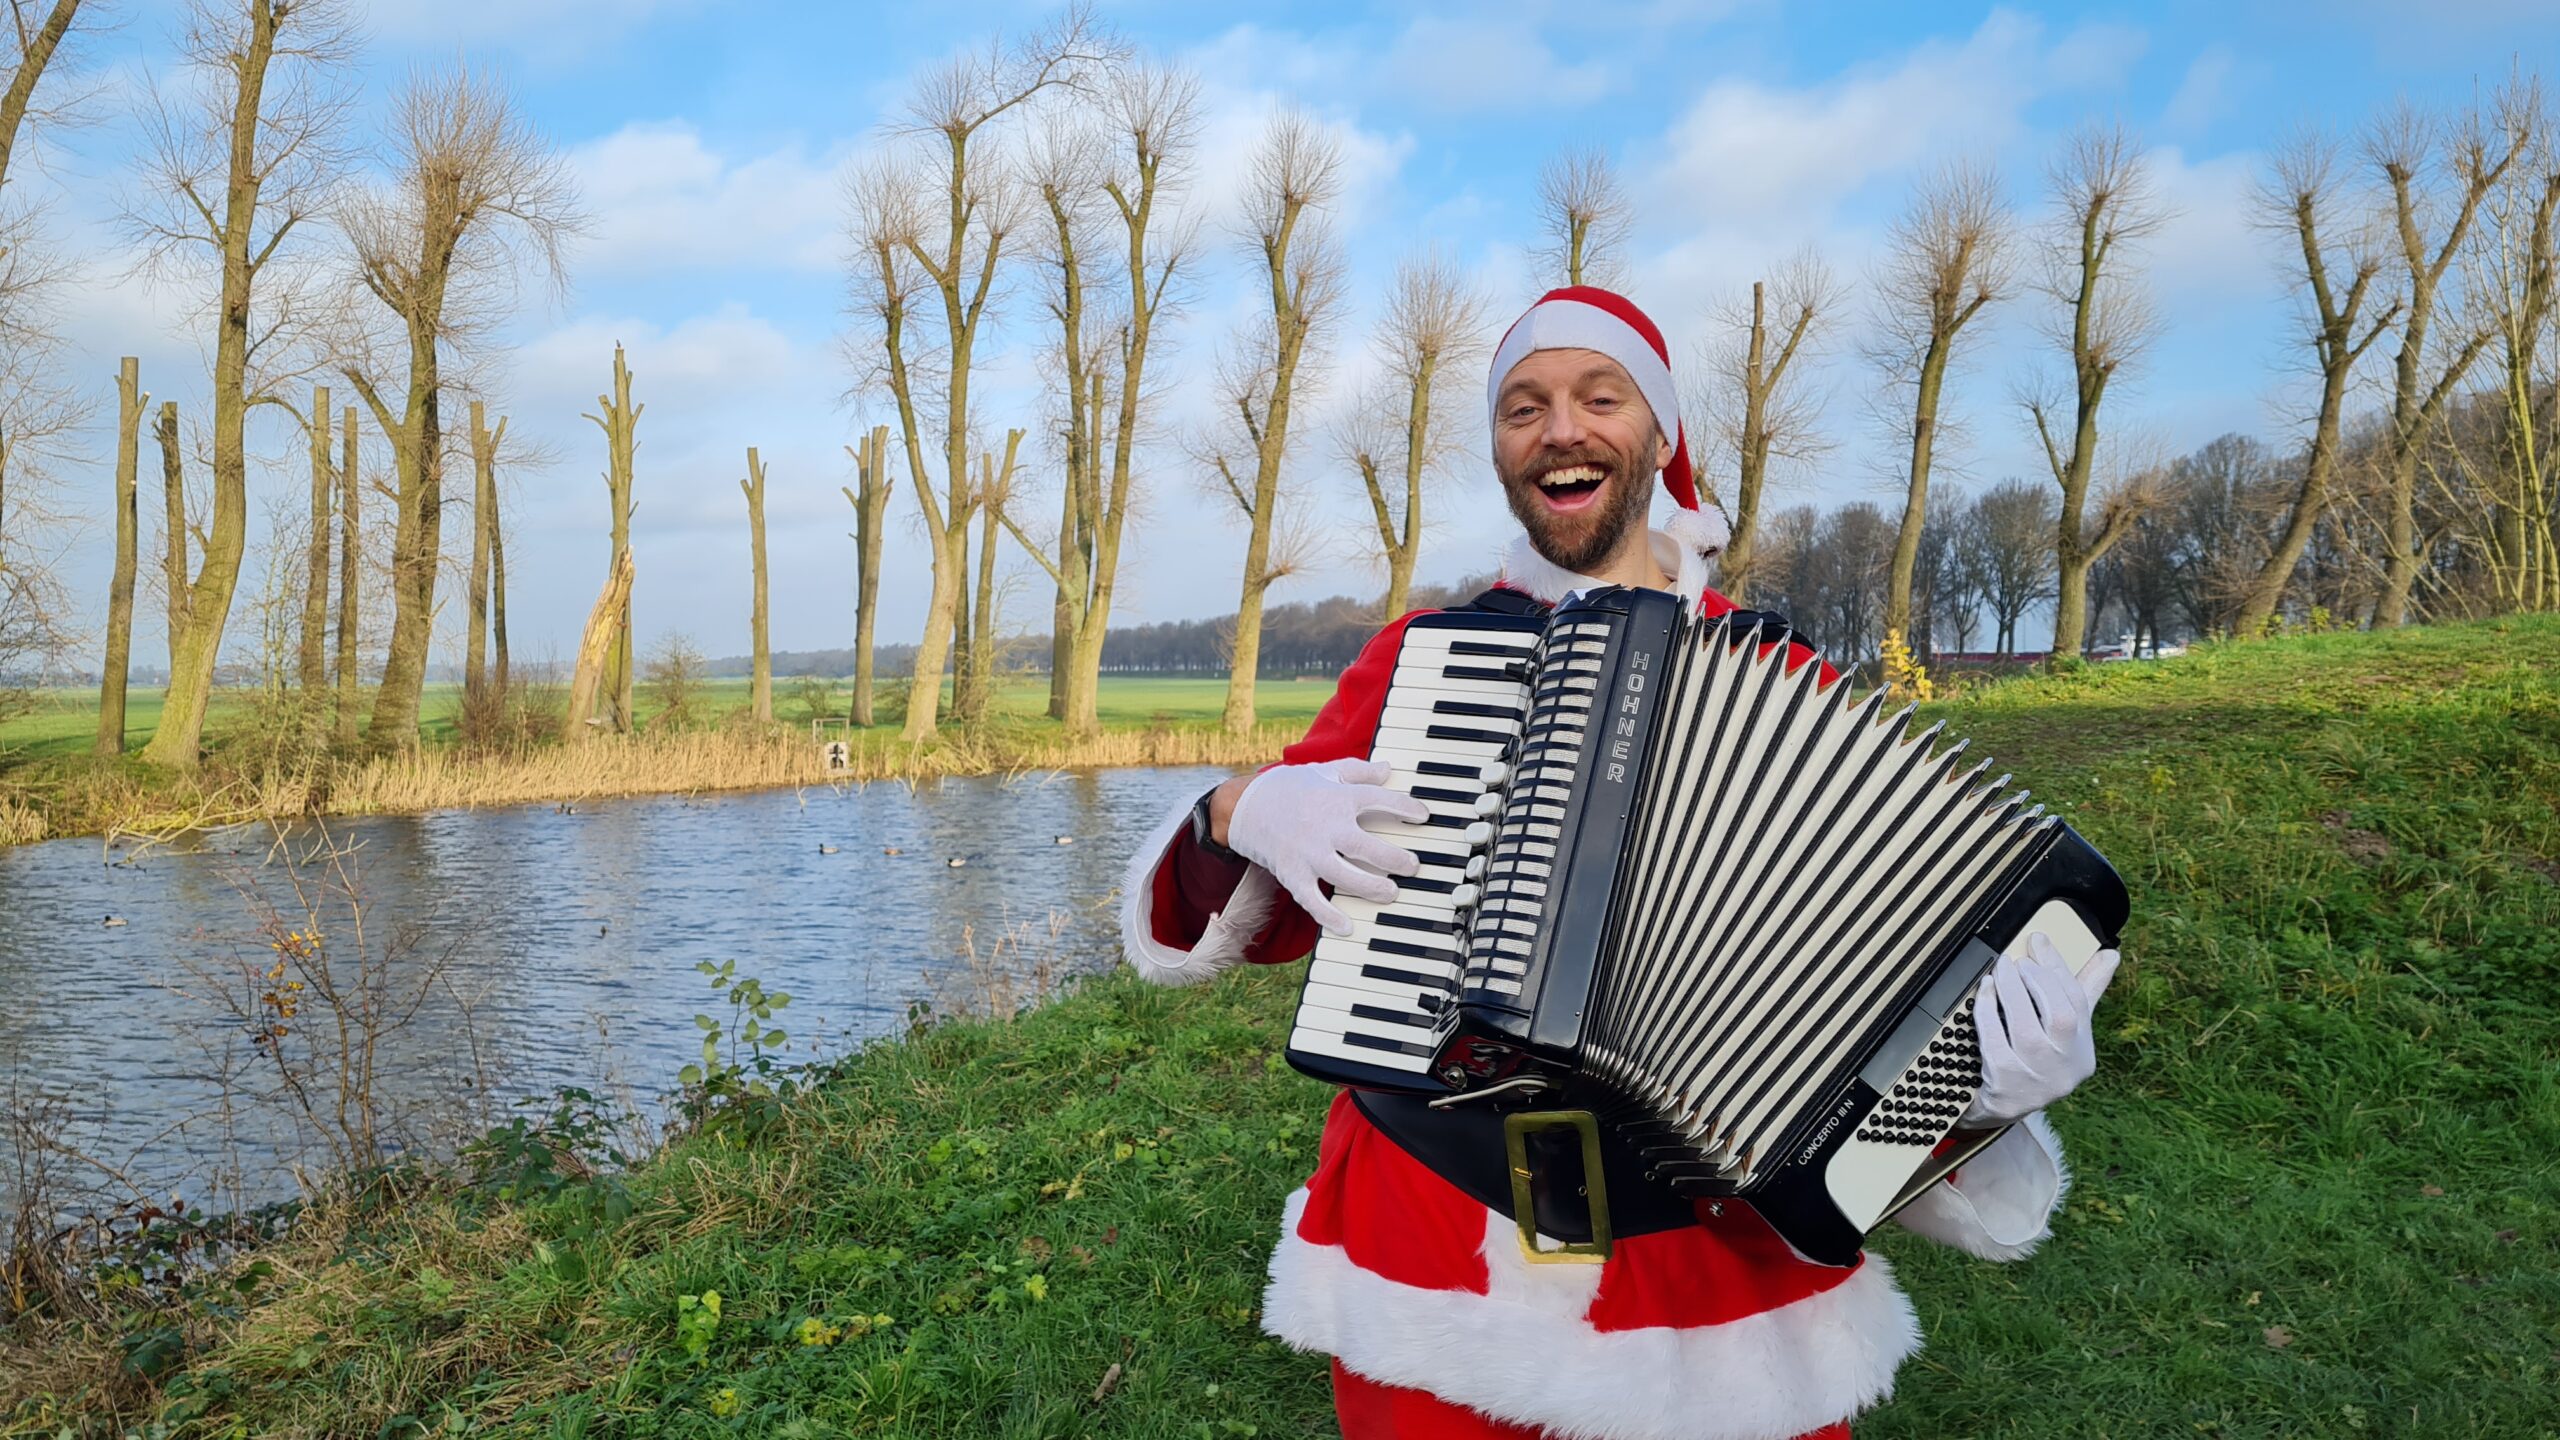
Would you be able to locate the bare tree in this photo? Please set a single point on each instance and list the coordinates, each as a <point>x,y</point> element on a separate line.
<point>760,666</point>
<point>235,167</point>
<point>350,563</point>
<point>957,254</point>
<point>870,507</point>
<point>484,553</point>
<point>2103,209</point>
<point>1584,214</point>
<point>477,197</point>
<point>313,672</point>
<point>2299,191</point>
<point>173,531</point>
<point>131,400</point>
<point>1756,409</point>
<point>1433,327</point>
<point>2514,284</point>
<point>1294,174</point>
<point>2437,177</point>
<point>618,416</point>
<point>1946,258</point>
<point>2011,533</point>
<point>595,646</point>
<point>34,409</point>
<point>1151,115</point>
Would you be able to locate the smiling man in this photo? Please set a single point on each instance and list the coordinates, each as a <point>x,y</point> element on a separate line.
<point>1398,1258</point>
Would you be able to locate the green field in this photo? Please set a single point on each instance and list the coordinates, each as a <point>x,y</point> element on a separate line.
<point>2316,1189</point>
<point>64,722</point>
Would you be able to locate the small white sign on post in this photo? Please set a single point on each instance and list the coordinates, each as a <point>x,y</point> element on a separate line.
<point>839,755</point>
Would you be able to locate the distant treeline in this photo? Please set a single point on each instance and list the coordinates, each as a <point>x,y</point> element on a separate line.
<point>1311,637</point>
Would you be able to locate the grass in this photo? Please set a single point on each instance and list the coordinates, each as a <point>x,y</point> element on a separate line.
<point>2315,1198</point>
<point>50,786</point>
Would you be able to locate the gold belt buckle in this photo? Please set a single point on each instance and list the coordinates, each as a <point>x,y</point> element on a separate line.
<point>1595,1186</point>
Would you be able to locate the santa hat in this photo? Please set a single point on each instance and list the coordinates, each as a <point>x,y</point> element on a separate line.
<point>1586,317</point>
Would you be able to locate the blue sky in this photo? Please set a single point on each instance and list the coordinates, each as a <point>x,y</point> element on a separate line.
<point>709,141</point>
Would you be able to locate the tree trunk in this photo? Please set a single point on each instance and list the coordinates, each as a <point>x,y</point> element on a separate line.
<point>1733,573</point>
<point>1915,498</point>
<point>119,664</point>
<point>484,530</point>
<point>760,687</point>
<point>313,676</point>
<point>2310,502</point>
<point>595,651</point>
<point>498,591</point>
<point>417,540</point>
<point>173,534</point>
<point>982,619</point>
<point>618,417</point>
<point>181,731</point>
<point>870,505</point>
<point>350,558</point>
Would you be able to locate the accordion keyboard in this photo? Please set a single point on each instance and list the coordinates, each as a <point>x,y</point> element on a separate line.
<point>1520,872</point>
<point>1376,997</point>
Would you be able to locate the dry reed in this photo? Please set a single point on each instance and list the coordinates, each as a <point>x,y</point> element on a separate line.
<point>668,762</point>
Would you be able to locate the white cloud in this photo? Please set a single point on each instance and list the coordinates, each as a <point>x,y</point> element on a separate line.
<point>1477,64</point>
<point>2203,95</point>
<point>1788,158</point>
<point>662,198</point>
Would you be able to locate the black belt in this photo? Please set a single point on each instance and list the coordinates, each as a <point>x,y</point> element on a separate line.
<point>1465,1146</point>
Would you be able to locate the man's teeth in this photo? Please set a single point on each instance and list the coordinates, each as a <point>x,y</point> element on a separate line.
<point>1573,475</point>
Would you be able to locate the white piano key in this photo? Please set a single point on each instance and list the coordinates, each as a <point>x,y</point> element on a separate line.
<point>1318,1042</point>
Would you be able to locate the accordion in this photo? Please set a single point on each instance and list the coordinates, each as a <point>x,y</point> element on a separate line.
<point>1674,885</point>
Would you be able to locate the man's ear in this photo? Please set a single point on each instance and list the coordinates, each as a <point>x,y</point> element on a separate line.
<point>1661,450</point>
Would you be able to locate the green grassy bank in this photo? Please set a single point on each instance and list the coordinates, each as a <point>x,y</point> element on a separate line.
<point>2316,1187</point>
<point>64,722</point>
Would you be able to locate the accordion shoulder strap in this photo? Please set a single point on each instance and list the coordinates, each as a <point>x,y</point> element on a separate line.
<point>1464,1146</point>
<point>1500,601</point>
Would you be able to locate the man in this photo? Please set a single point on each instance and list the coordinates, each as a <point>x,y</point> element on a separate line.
<point>1700,1326</point>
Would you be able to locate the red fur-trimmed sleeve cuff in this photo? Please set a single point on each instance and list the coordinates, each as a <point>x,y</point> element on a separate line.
<point>1185,915</point>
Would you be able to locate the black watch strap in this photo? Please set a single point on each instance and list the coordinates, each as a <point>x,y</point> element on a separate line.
<point>1200,829</point>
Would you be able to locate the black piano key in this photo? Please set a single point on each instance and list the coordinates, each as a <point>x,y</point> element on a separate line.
<point>1400,977</point>
<point>1478,709</point>
<point>1397,921</point>
<point>1451,797</point>
<point>1449,767</point>
<point>1381,1042</point>
<point>1393,1017</point>
<point>1479,647</point>
<point>1464,735</point>
<point>1382,946</point>
<point>1498,674</point>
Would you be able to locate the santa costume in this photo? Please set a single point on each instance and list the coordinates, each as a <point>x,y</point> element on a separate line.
<point>1439,1327</point>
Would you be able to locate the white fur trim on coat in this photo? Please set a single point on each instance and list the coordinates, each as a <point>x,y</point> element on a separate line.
<point>2000,1204</point>
<point>1681,550</point>
<point>1221,944</point>
<point>1526,1354</point>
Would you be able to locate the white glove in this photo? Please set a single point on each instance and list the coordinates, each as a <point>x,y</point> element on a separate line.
<point>1302,823</point>
<point>2033,1015</point>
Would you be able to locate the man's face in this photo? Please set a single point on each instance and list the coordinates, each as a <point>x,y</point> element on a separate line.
<point>1576,448</point>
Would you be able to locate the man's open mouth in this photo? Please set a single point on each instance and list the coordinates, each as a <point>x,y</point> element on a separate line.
<point>1571,487</point>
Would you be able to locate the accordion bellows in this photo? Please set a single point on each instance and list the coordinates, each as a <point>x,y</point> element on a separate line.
<point>1673,877</point>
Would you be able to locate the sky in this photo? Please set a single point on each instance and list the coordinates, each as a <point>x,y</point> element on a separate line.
<point>709,144</point>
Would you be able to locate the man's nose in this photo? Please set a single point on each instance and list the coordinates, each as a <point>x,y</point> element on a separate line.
<point>1564,427</point>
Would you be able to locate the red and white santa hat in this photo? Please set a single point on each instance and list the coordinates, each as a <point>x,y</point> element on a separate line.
<point>1586,317</point>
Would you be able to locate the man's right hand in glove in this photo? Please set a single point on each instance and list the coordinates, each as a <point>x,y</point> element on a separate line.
<point>1302,823</point>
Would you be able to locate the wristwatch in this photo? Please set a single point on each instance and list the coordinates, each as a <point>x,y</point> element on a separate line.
<point>1200,829</point>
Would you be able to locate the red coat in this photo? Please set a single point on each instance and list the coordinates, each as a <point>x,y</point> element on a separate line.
<point>1712,1332</point>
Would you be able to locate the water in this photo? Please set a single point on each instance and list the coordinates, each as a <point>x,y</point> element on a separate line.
<point>562,948</point>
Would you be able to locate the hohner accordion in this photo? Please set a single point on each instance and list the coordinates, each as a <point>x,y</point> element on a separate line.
<point>1673,880</point>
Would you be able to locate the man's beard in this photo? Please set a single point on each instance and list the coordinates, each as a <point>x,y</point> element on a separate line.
<point>1583,540</point>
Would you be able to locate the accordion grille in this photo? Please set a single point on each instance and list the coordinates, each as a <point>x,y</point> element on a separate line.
<point>1796,863</point>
